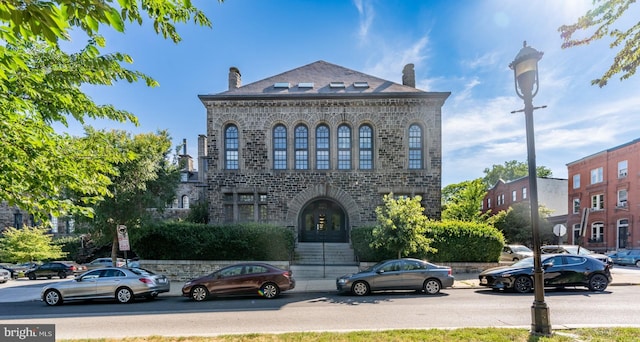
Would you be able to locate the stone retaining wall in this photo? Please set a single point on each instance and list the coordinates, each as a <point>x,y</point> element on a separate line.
<point>182,270</point>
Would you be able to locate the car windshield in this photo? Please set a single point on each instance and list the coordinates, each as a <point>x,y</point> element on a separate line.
<point>521,249</point>
<point>578,250</point>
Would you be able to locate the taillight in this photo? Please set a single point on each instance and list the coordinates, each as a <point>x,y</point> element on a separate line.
<point>287,274</point>
<point>146,280</point>
<point>449,273</point>
<point>73,268</point>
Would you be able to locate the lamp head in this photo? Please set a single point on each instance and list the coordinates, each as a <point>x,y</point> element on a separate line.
<point>525,71</point>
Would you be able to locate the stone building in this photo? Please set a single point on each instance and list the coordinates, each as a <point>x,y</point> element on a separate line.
<point>316,148</point>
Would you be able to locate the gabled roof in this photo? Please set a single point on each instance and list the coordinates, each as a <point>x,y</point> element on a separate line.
<point>316,79</point>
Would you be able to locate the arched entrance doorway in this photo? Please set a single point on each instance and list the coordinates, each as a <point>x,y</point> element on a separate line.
<point>323,220</point>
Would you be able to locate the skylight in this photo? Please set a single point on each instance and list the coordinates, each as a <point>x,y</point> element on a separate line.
<point>361,84</point>
<point>336,85</point>
<point>305,85</point>
<point>281,85</point>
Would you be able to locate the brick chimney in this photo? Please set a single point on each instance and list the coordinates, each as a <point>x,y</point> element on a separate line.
<point>235,79</point>
<point>409,76</point>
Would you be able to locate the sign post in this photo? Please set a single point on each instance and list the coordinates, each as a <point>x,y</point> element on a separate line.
<point>123,241</point>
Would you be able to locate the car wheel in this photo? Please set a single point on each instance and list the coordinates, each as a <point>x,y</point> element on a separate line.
<point>199,293</point>
<point>62,274</point>
<point>432,286</point>
<point>515,259</point>
<point>638,263</point>
<point>32,276</point>
<point>269,290</point>
<point>523,284</point>
<point>52,297</point>
<point>598,282</point>
<point>124,295</point>
<point>360,288</point>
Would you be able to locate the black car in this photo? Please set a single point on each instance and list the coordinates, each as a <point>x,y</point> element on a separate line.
<point>560,270</point>
<point>53,269</point>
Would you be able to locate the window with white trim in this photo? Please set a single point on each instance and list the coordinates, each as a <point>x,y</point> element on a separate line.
<point>622,169</point>
<point>597,232</point>
<point>622,198</point>
<point>596,175</point>
<point>489,203</point>
<point>524,193</point>
<point>597,202</point>
<point>576,206</point>
<point>577,232</point>
<point>576,181</point>
<point>514,196</point>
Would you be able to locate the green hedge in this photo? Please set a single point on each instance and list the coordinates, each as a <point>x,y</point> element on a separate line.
<point>456,241</point>
<point>191,241</point>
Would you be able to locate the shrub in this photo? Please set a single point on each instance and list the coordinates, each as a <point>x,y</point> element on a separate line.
<point>459,241</point>
<point>191,241</point>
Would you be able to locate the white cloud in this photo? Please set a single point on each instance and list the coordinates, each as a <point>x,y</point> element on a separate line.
<point>366,14</point>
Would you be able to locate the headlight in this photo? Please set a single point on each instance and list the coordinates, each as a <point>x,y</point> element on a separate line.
<point>187,284</point>
<point>506,275</point>
<point>342,281</point>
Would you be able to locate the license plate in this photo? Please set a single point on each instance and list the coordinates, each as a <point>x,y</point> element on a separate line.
<point>162,281</point>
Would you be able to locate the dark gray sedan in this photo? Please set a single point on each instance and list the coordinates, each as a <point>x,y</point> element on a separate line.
<point>397,274</point>
<point>121,284</point>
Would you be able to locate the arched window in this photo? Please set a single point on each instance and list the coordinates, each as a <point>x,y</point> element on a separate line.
<point>322,147</point>
<point>302,148</point>
<point>366,147</point>
<point>231,143</point>
<point>280,147</point>
<point>185,202</point>
<point>415,147</point>
<point>344,147</point>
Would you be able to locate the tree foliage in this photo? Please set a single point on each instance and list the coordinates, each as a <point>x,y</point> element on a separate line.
<point>401,227</point>
<point>28,244</point>
<point>462,201</point>
<point>511,170</point>
<point>145,179</point>
<point>598,23</point>
<point>40,84</point>
<point>515,224</point>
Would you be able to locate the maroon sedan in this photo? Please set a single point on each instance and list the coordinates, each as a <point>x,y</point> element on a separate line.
<point>241,279</point>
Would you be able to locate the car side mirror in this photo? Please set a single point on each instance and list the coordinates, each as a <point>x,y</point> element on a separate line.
<point>380,271</point>
<point>546,265</point>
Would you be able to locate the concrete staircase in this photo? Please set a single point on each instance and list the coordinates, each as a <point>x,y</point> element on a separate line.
<point>318,260</point>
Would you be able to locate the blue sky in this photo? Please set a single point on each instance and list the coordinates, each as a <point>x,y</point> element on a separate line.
<point>463,47</point>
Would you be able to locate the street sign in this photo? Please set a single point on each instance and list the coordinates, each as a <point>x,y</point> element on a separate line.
<point>123,238</point>
<point>559,230</point>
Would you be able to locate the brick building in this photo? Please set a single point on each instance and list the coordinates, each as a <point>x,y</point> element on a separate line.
<point>604,188</point>
<point>552,194</point>
<point>316,148</point>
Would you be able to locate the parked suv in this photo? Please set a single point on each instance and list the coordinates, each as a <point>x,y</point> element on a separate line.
<point>626,257</point>
<point>515,253</point>
<point>576,250</point>
<point>53,269</point>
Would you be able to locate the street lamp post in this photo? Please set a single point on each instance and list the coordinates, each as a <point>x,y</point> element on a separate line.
<point>525,72</point>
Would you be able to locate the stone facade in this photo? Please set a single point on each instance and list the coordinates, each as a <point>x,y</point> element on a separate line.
<point>320,181</point>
